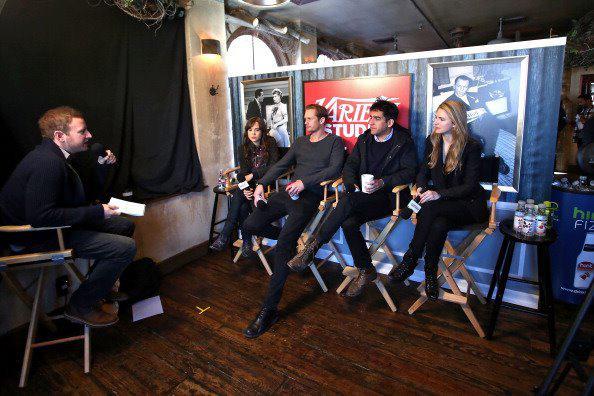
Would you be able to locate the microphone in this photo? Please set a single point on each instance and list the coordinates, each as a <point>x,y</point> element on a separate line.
<point>98,151</point>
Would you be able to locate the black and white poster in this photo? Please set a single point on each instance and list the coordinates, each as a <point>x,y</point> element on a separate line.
<point>271,100</point>
<point>494,94</point>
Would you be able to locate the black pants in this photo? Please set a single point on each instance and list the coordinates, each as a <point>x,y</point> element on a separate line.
<point>239,209</point>
<point>434,220</point>
<point>352,211</point>
<point>110,244</point>
<point>299,214</point>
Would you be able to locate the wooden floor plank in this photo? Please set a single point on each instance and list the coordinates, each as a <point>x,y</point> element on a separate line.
<point>322,344</point>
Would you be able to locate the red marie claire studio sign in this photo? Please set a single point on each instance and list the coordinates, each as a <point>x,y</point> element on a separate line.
<point>348,102</point>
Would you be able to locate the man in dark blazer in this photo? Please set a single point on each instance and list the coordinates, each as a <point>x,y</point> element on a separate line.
<point>386,151</point>
<point>255,106</point>
<point>44,191</point>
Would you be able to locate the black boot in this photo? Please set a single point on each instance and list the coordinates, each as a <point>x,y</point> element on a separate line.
<point>405,269</point>
<point>431,284</point>
<point>220,243</point>
<point>266,318</point>
<point>306,256</point>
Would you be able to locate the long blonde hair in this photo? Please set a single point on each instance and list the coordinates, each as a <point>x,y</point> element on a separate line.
<point>457,113</point>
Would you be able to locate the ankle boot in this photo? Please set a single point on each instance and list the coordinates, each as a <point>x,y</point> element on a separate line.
<point>306,256</point>
<point>220,243</point>
<point>405,269</point>
<point>431,284</point>
<point>261,323</point>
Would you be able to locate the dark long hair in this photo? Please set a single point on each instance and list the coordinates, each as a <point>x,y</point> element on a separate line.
<point>247,147</point>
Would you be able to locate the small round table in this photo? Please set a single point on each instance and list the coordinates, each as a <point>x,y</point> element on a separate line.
<point>501,275</point>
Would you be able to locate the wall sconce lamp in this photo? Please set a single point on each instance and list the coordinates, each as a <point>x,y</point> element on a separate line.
<point>210,46</point>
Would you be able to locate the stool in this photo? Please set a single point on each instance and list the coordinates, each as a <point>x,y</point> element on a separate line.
<point>213,223</point>
<point>501,275</point>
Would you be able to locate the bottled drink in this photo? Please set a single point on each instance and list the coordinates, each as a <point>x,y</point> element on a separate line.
<point>222,181</point>
<point>542,209</point>
<point>565,183</point>
<point>519,221</point>
<point>541,225</point>
<point>529,201</point>
<point>521,205</point>
<point>529,225</point>
<point>583,183</point>
<point>584,266</point>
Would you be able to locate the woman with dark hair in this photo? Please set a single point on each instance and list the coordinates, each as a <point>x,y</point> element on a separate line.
<point>448,191</point>
<point>257,153</point>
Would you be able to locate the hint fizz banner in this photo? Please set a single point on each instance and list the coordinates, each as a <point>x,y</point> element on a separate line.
<point>348,102</point>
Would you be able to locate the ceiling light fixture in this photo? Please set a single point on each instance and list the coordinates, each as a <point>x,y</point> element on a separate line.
<point>265,3</point>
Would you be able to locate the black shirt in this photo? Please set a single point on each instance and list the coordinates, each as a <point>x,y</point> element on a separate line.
<point>377,153</point>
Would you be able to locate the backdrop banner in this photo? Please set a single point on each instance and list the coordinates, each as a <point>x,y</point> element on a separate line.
<point>348,102</point>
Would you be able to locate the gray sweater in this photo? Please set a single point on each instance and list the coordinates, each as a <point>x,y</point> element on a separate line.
<point>313,162</point>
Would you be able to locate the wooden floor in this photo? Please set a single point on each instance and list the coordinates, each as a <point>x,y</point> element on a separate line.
<point>323,344</point>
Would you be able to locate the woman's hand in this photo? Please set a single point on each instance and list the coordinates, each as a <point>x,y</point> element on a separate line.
<point>429,195</point>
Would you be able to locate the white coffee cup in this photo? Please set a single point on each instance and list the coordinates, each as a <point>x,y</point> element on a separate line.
<point>365,179</point>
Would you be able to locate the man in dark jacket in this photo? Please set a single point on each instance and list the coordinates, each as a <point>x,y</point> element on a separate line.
<point>44,191</point>
<point>255,106</point>
<point>387,152</point>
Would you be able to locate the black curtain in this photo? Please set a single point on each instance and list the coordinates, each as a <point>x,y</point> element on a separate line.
<point>130,81</point>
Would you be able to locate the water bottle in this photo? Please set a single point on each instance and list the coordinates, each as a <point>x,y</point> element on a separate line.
<point>519,221</point>
<point>565,183</point>
<point>541,225</point>
<point>521,205</point>
<point>584,183</point>
<point>584,266</point>
<point>529,225</point>
<point>222,181</point>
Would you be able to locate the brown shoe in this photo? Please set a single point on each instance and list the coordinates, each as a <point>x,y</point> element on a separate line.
<point>306,256</point>
<point>95,318</point>
<point>365,277</point>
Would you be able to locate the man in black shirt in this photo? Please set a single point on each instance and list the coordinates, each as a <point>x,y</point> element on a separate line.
<point>45,191</point>
<point>316,158</point>
<point>386,150</point>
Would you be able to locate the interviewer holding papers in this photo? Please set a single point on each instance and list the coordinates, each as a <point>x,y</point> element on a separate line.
<point>44,190</point>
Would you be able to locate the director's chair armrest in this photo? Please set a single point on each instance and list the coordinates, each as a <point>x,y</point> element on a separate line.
<point>28,228</point>
<point>286,176</point>
<point>326,184</point>
<point>494,198</point>
<point>396,190</point>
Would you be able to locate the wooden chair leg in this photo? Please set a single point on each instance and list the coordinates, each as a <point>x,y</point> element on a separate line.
<point>385,294</point>
<point>337,254</point>
<point>344,284</point>
<point>32,329</point>
<point>318,277</point>
<point>237,256</point>
<point>417,304</point>
<point>87,347</point>
<point>16,286</point>
<point>467,310</point>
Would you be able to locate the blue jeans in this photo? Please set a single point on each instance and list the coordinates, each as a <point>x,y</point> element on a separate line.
<point>110,244</point>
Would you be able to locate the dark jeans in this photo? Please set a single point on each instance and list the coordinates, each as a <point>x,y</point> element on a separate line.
<point>239,209</point>
<point>352,211</point>
<point>434,220</point>
<point>299,214</point>
<point>110,244</point>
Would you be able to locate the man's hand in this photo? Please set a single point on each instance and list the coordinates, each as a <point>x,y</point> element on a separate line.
<point>110,211</point>
<point>249,194</point>
<point>374,185</point>
<point>429,195</point>
<point>295,188</point>
<point>418,192</point>
<point>258,194</point>
<point>249,177</point>
<point>109,159</point>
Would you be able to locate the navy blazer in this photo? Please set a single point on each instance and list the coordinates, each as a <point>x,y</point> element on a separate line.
<point>44,190</point>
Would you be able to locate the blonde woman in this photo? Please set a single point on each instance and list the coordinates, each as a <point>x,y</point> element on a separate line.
<point>448,191</point>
